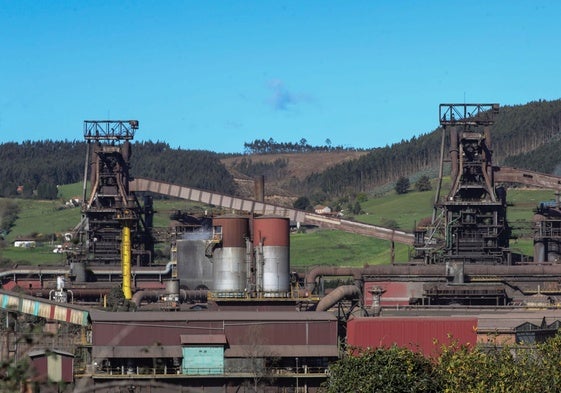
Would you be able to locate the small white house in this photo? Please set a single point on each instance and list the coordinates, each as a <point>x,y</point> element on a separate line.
<point>320,209</point>
<point>25,243</point>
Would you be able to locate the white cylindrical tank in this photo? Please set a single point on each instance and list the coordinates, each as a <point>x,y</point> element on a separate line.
<point>229,256</point>
<point>272,245</point>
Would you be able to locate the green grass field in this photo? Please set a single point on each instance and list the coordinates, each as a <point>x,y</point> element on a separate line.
<point>406,209</point>
<point>315,247</point>
<point>42,255</point>
<point>330,247</point>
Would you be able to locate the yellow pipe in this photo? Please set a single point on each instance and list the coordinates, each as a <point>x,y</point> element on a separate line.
<point>126,262</point>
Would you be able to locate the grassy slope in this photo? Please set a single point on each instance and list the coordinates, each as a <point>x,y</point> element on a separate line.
<point>330,247</point>
<point>338,248</point>
<point>307,249</point>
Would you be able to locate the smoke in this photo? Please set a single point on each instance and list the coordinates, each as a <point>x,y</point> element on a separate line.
<point>203,234</point>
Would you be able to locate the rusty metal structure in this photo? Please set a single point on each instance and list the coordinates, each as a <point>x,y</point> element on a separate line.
<point>472,220</point>
<point>110,208</point>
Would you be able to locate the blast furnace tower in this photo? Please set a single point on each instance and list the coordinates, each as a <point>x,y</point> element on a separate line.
<point>114,223</point>
<point>473,213</point>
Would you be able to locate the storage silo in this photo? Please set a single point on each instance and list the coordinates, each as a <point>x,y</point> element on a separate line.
<point>230,256</point>
<point>271,240</point>
<point>194,268</point>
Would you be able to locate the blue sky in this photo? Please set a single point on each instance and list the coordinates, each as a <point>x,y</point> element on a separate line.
<point>212,75</point>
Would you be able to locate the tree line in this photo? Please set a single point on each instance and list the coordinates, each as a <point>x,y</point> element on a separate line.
<point>270,146</point>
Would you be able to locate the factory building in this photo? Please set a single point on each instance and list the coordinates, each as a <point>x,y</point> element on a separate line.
<point>420,334</point>
<point>219,351</point>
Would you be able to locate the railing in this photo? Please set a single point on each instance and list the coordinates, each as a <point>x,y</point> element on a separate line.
<point>293,294</point>
<point>173,371</point>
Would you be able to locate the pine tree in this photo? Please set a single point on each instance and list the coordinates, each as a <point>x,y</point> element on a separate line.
<point>402,185</point>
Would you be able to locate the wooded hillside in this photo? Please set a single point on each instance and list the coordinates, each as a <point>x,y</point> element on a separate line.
<point>34,169</point>
<point>524,136</point>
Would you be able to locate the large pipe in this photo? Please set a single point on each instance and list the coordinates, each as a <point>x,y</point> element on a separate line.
<point>185,295</point>
<point>139,296</point>
<point>77,292</point>
<point>137,271</point>
<point>339,293</point>
<point>379,270</point>
<point>126,262</point>
<point>320,271</point>
<point>497,273</point>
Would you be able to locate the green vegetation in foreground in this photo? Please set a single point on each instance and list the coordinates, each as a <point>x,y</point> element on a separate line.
<point>490,368</point>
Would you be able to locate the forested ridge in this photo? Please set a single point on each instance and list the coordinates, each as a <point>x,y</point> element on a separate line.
<point>35,168</point>
<point>524,136</point>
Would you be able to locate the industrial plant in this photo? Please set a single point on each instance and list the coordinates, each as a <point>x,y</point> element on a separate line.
<point>227,313</point>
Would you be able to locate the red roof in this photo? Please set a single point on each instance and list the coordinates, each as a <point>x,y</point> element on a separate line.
<point>425,335</point>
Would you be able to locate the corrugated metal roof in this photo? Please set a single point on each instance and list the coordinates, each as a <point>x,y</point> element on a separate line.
<point>151,316</point>
<point>203,339</point>
<point>416,333</point>
<point>43,352</point>
<point>108,352</point>
<point>488,320</point>
<point>237,351</point>
<point>508,322</point>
